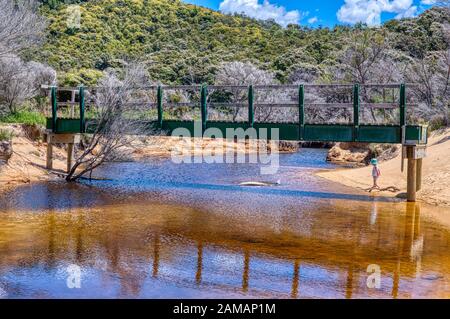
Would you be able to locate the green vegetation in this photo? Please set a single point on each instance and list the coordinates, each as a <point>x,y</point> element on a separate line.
<point>25,117</point>
<point>436,123</point>
<point>6,135</point>
<point>183,43</point>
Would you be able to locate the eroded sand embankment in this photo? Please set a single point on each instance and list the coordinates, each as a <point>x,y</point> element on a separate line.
<point>436,173</point>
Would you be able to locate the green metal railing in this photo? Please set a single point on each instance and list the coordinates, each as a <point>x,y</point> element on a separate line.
<point>402,105</point>
<point>54,102</point>
<point>301,111</point>
<point>159,97</point>
<point>204,106</point>
<point>303,129</point>
<point>82,119</point>
<point>251,107</point>
<point>356,110</point>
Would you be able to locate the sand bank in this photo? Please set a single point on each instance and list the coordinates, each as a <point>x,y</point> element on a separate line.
<point>436,173</point>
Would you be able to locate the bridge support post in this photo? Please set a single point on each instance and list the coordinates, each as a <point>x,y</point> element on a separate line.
<point>419,174</point>
<point>49,163</point>
<point>69,139</point>
<point>415,155</point>
<point>411,179</point>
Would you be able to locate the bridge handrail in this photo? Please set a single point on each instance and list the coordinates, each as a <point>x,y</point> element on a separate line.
<point>203,103</point>
<point>218,87</point>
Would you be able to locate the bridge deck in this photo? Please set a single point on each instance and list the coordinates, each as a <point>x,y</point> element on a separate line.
<point>414,134</point>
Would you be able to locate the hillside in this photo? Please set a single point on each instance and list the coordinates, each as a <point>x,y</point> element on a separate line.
<point>185,43</point>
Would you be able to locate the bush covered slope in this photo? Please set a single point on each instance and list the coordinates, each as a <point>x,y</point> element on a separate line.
<point>183,43</point>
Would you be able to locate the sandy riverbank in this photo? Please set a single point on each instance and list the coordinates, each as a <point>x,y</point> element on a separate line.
<point>27,163</point>
<point>436,173</point>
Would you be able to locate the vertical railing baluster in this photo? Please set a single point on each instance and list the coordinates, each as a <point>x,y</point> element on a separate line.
<point>159,102</point>
<point>301,111</point>
<point>82,120</point>
<point>355,111</point>
<point>204,106</point>
<point>402,104</point>
<point>403,112</point>
<point>251,113</point>
<point>54,108</point>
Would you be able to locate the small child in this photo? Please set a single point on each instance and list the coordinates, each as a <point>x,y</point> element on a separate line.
<point>375,173</point>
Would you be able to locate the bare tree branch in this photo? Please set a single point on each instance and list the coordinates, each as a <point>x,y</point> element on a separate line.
<point>114,122</point>
<point>21,26</point>
<point>21,81</point>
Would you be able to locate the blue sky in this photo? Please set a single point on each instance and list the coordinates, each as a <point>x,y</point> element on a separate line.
<point>321,12</point>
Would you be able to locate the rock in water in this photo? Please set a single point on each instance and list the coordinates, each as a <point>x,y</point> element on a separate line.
<point>260,183</point>
<point>288,146</point>
<point>349,153</point>
<point>361,153</point>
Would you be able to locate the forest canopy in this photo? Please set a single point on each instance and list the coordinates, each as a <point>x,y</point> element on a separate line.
<point>76,42</point>
<point>183,43</point>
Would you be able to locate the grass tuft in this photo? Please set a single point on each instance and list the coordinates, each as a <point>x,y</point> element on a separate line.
<point>24,117</point>
<point>6,135</point>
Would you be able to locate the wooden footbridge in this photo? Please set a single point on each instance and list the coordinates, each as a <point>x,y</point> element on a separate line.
<point>297,112</point>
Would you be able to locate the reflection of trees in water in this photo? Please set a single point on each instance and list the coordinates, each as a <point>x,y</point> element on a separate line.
<point>135,245</point>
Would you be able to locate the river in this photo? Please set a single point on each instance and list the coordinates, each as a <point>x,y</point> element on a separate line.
<point>156,229</point>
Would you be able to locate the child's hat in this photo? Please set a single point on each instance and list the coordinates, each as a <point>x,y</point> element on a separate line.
<point>374,161</point>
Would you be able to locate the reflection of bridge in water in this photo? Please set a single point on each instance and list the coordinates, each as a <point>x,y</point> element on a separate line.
<point>156,251</point>
<point>407,255</point>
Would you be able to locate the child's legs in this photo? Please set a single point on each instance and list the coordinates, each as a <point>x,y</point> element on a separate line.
<point>375,179</point>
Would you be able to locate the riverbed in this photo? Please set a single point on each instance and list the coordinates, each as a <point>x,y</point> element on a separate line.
<point>156,229</point>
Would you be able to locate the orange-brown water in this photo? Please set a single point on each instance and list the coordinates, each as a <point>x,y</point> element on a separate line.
<point>304,239</point>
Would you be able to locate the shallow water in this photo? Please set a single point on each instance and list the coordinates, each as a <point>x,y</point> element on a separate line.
<point>161,230</point>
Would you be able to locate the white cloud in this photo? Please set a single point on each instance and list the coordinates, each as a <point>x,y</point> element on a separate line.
<point>369,11</point>
<point>313,20</point>
<point>262,11</point>
<point>428,2</point>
